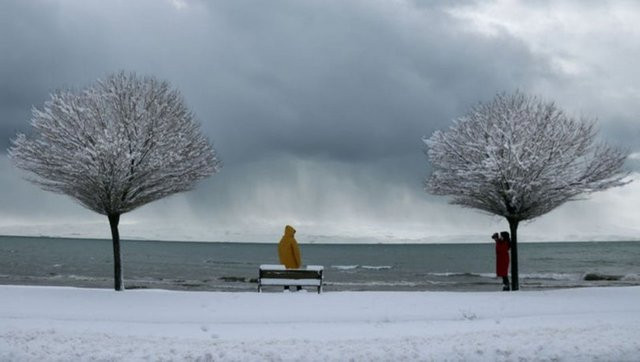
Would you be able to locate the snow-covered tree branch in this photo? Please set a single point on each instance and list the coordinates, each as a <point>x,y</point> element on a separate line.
<point>520,157</point>
<point>117,145</point>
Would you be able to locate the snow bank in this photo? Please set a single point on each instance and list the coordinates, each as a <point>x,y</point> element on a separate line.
<point>57,323</point>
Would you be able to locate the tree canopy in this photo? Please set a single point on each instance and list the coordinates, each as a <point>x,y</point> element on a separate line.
<point>119,144</point>
<point>520,157</point>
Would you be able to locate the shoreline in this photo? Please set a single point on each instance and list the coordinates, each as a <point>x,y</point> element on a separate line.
<point>277,290</point>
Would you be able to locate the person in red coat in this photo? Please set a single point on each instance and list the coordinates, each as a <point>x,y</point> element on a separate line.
<point>503,244</point>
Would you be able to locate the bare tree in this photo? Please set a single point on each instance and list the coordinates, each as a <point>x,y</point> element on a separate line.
<point>117,145</point>
<point>520,157</point>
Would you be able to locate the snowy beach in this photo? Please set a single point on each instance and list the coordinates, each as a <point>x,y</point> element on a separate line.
<point>60,323</point>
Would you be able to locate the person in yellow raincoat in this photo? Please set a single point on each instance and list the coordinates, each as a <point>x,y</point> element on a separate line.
<point>288,251</point>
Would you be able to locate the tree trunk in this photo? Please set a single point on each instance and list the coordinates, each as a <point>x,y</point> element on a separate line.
<point>513,228</point>
<point>117,264</point>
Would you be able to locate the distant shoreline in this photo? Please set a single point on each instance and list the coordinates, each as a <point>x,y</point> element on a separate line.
<point>303,242</point>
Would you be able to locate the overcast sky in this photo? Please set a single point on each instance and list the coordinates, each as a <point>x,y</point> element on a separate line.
<point>317,108</point>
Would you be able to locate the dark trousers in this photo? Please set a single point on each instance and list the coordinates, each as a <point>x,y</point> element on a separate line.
<point>505,282</point>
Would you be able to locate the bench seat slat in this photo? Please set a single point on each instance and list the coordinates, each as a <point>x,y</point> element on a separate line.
<point>302,282</point>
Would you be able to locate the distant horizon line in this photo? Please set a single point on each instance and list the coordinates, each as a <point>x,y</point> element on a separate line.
<point>312,242</point>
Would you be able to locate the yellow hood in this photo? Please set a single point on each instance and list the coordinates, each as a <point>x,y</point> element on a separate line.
<point>289,231</point>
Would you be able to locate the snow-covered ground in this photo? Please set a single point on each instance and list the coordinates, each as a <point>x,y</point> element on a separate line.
<point>57,323</point>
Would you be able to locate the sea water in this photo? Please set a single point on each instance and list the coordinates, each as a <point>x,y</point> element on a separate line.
<point>234,266</point>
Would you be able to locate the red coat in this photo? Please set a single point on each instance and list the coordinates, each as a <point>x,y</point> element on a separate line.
<point>502,258</point>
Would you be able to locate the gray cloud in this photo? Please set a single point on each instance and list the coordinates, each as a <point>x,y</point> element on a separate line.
<point>343,80</point>
<point>337,93</point>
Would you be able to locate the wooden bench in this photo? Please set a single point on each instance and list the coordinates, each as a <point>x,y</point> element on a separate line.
<point>278,275</point>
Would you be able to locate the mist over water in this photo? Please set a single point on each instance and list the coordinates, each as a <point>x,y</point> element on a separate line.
<point>234,266</point>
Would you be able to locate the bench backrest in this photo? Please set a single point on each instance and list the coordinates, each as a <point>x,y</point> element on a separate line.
<point>291,274</point>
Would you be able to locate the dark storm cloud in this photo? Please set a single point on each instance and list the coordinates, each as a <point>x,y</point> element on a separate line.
<point>316,107</point>
<point>352,82</point>
<point>342,80</point>
<point>40,53</point>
